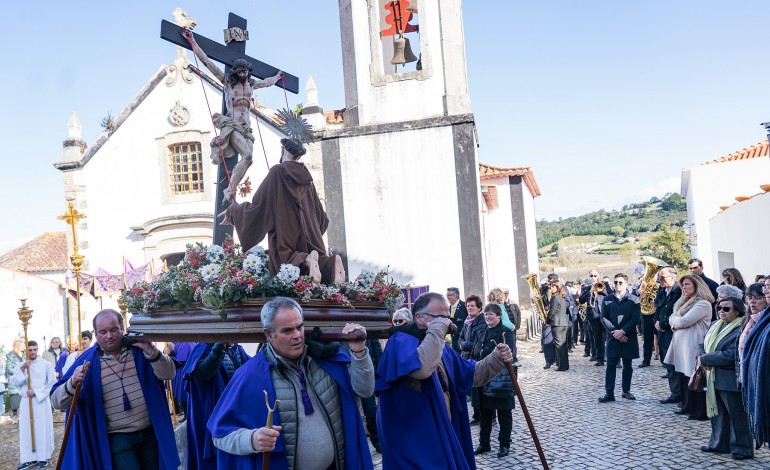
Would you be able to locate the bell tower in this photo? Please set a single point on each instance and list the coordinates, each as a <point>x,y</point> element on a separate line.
<point>400,174</point>
<point>376,90</point>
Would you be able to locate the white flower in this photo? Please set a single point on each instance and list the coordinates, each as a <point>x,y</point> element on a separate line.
<point>257,250</point>
<point>366,278</point>
<point>209,272</point>
<point>288,274</point>
<point>215,252</point>
<point>253,263</point>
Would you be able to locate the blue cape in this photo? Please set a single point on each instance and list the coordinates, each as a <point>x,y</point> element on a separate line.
<point>181,353</point>
<point>756,379</point>
<point>242,406</point>
<point>60,362</point>
<point>201,399</point>
<point>414,427</point>
<point>88,447</point>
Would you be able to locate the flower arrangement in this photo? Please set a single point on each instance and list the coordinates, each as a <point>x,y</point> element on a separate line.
<point>218,276</point>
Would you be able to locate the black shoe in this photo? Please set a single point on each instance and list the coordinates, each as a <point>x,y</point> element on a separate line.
<point>599,363</point>
<point>26,465</point>
<point>43,464</point>
<point>474,421</point>
<point>671,399</point>
<point>548,365</point>
<point>593,359</point>
<point>696,418</point>
<point>628,396</point>
<point>664,376</point>
<point>588,355</point>
<point>607,397</point>
<point>680,412</point>
<point>481,449</point>
<point>711,450</point>
<point>739,457</point>
<point>644,364</point>
<point>504,451</point>
<point>562,370</point>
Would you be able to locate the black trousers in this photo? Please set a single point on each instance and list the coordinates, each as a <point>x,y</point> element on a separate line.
<point>561,345</point>
<point>648,335</point>
<point>546,341</point>
<point>369,405</point>
<point>589,339</point>
<point>597,330</point>
<point>504,418</point>
<point>610,372</point>
<point>730,427</point>
<point>134,450</point>
<point>575,332</point>
<point>694,403</point>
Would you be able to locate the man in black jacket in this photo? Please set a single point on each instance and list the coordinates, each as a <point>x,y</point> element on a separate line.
<point>621,315</point>
<point>513,311</point>
<point>457,314</point>
<point>594,307</point>
<point>696,267</point>
<point>668,294</point>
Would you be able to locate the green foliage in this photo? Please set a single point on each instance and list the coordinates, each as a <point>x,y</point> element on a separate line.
<point>648,216</point>
<point>670,245</point>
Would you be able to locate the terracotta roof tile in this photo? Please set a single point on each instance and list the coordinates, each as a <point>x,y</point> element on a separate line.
<point>755,151</point>
<point>487,172</point>
<point>47,252</point>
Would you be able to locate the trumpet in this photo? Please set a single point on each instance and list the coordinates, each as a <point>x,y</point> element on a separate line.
<point>598,289</point>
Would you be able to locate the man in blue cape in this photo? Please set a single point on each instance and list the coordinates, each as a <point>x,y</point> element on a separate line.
<point>422,384</point>
<point>317,423</point>
<point>131,377</point>
<point>207,371</point>
<point>179,352</point>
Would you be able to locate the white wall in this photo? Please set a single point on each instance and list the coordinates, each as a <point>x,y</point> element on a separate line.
<point>742,230</point>
<point>44,297</point>
<point>401,207</point>
<point>714,185</point>
<point>498,241</point>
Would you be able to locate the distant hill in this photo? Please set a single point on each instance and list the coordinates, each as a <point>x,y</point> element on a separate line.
<point>631,221</point>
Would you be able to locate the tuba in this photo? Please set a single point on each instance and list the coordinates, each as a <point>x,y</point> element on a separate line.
<point>537,301</point>
<point>648,287</point>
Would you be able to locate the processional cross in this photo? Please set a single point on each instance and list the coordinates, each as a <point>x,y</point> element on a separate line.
<point>235,35</point>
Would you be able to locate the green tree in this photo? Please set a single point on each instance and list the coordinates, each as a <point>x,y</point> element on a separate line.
<point>616,231</point>
<point>670,245</point>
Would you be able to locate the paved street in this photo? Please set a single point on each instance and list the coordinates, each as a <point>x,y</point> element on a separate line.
<point>577,432</point>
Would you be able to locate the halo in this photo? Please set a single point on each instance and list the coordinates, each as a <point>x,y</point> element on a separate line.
<point>295,126</point>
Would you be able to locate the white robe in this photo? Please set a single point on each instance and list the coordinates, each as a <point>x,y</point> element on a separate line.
<point>43,378</point>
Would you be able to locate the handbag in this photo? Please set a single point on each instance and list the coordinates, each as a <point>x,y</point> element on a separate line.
<point>698,380</point>
<point>500,386</point>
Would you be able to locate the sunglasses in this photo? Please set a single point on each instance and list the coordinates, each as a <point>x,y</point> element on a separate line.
<point>399,322</point>
<point>724,309</point>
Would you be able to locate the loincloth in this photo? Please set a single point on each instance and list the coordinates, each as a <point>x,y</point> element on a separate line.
<point>227,126</point>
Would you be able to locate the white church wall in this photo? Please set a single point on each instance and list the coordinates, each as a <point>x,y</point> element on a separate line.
<point>531,230</point>
<point>386,217</point>
<point>498,241</point>
<point>44,297</point>
<point>740,234</point>
<point>714,185</point>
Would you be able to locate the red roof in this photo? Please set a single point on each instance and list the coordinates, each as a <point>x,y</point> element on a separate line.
<point>487,172</point>
<point>48,252</point>
<point>755,151</point>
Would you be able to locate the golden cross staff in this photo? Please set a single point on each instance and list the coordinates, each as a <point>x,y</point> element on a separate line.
<point>24,315</point>
<point>71,217</point>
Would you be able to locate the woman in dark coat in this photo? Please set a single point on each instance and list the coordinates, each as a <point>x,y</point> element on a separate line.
<point>474,323</point>
<point>724,404</point>
<point>559,321</point>
<point>483,345</point>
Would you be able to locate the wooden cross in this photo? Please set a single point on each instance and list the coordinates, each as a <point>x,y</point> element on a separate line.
<point>235,49</point>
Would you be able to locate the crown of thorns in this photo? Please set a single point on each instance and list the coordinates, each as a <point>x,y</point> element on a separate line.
<point>241,64</point>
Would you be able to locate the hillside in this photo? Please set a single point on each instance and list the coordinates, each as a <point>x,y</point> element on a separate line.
<point>631,221</point>
<point>614,241</point>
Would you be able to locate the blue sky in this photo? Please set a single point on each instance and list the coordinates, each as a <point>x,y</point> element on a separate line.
<point>606,100</point>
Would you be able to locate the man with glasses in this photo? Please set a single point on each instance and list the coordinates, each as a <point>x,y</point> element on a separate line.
<point>667,296</point>
<point>422,383</point>
<point>621,315</point>
<point>458,312</point>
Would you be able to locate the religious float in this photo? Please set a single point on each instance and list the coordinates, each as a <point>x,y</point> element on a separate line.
<point>217,292</point>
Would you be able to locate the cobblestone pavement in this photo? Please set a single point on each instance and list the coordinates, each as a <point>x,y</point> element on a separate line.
<point>578,433</point>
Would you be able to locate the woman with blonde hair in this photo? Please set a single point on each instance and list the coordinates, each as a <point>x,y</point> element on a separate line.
<point>690,321</point>
<point>496,296</point>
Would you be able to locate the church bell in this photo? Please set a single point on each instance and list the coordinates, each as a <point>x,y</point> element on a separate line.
<point>402,52</point>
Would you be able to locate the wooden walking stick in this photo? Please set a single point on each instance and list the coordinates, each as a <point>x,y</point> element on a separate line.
<point>170,400</point>
<point>71,416</point>
<point>269,425</point>
<point>25,314</point>
<point>524,410</point>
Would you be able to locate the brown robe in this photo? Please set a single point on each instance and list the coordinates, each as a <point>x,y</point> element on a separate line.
<point>286,208</point>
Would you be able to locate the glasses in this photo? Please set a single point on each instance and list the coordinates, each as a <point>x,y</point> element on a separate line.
<point>724,309</point>
<point>399,322</point>
<point>594,275</point>
<point>432,316</point>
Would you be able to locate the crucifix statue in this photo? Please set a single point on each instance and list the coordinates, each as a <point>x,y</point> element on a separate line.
<point>235,137</point>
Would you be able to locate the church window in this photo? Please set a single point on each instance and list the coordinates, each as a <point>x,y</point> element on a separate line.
<point>186,167</point>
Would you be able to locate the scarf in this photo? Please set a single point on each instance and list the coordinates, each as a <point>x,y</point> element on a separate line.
<point>756,380</point>
<point>469,320</point>
<point>713,337</point>
<point>684,305</point>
